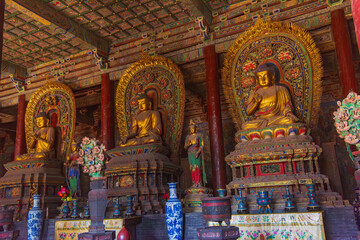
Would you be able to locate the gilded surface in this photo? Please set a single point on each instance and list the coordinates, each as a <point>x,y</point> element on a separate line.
<point>42,141</point>
<point>292,50</point>
<point>146,126</point>
<point>270,104</point>
<point>57,101</point>
<point>162,80</point>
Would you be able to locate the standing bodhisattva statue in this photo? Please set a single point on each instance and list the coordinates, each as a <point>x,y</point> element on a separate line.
<point>42,141</point>
<point>271,104</point>
<point>194,145</point>
<point>146,127</point>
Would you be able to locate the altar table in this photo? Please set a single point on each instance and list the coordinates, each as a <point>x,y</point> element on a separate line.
<point>279,226</point>
<point>70,229</point>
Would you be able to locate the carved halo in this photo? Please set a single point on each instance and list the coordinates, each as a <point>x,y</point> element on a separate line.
<point>57,99</point>
<point>292,50</point>
<point>163,79</point>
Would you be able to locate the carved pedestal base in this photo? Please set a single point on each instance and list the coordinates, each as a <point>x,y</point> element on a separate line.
<point>274,163</point>
<point>193,198</point>
<point>23,179</point>
<point>143,173</point>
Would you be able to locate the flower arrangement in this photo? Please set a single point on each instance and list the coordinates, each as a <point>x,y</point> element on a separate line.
<point>347,119</point>
<point>64,193</point>
<point>92,156</point>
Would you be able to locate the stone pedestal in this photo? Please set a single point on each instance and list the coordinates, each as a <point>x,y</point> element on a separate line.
<point>23,179</point>
<point>141,172</point>
<point>263,161</point>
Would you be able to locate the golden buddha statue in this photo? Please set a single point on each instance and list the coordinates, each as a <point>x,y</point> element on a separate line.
<point>42,141</point>
<point>146,126</point>
<point>271,104</point>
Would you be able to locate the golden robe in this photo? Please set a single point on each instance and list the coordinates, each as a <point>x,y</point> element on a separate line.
<point>148,128</point>
<point>275,108</point>
<point>44,145</point>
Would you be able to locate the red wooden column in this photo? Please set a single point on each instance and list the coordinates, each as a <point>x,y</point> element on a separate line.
<point>2,14</point>
<point>343,51</point>
<point>356,16</point>
<point>20,128</point>
<point>107,109</point>
<point>214,113</point>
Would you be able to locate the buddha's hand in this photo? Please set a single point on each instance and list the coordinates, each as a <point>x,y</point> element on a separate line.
<point>198,153</point>
<point>257,97</point>
<point>124,140</point>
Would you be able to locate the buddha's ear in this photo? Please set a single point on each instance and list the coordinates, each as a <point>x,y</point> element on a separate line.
<point>150,104</point>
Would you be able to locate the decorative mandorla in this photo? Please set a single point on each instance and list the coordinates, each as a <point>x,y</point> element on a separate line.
<point>347,119</point>
<point>92,156</point>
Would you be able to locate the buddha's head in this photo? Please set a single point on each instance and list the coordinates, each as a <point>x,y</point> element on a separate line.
<point>144,102</point>
<point>192,127</point>
<point>265,75</point>
<point>42,120</point>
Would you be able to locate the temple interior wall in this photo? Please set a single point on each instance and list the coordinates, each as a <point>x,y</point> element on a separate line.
<point>183,44</point>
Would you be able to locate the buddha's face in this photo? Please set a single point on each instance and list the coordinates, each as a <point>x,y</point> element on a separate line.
<point>41,122</point>
<point>265,78</point>
<point>144,104</point>
<point>192,129</point>
<point>74,148</point>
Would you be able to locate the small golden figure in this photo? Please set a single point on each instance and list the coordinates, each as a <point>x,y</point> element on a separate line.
<point>146,126</point>
<point>271,104</point>
<point>42,141</point>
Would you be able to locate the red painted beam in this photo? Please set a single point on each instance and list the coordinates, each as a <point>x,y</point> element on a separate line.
<point>107,111</point>
<point>343,51</point>
<point>356,16</point>
<point>214,115</point>
<point>20,128</point>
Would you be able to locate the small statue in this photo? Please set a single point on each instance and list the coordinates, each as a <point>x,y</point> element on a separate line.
<point>74,170</point>
<point>42,141</point>
<point>146,126</point>
<point>194,145</point>
<point>271,104</point>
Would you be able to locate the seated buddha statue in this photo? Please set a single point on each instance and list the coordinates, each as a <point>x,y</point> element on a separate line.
<point>42,141</point>
<point>146,127</point>
<point>270,104</point>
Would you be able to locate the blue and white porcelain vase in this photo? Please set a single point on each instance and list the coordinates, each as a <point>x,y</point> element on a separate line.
<point>174,215</point>
<point>35,220</point>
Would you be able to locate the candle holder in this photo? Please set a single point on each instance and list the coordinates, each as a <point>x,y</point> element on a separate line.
<point>117,209</point>
<point>241,205</point>
<point>129,211</point>
<point>289,204</point>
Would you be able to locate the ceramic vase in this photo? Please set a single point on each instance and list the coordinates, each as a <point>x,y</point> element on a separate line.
<point>65,210</point>
<point>35,220</point>
<point>357,208</point>
<point>123,234</point>
<point>174,215</point>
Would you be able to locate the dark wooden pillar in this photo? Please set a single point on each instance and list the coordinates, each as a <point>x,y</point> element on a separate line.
<point>107,109</point>
<point>356,16</point>
<point>343,51</point>
<point>2,12</point>
<point>214,114</point>
<point>20,128</point>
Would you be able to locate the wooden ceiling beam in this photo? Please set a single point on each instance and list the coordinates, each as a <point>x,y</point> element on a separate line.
<point>45,14</point>
<point>198,8</point>
<point>14,69</point>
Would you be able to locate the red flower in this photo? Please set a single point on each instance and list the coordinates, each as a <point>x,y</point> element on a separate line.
<point>166,196</point>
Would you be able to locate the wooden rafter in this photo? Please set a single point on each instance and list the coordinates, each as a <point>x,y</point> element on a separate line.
<point>198,8</point>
